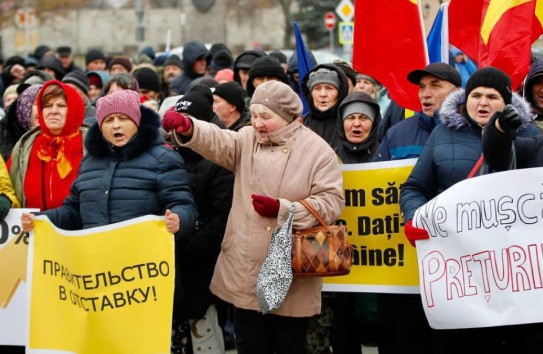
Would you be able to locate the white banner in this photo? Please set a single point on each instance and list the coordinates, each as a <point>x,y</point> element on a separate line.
<point>483,263</point>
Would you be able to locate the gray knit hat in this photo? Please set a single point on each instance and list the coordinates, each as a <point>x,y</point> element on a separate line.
<point>280,98</point>
<point>359,107</point>
<point>323,76</point>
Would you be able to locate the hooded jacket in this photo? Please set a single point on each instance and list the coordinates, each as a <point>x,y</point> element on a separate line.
<point>114,184</point>
<point>535,70</point>
<point>254,53</point>
<point>451,151</point>
<point>325,123</point>
<point>192,51</point>
<point>364,151</point>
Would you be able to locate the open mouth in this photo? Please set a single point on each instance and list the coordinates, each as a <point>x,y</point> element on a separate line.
<point>427,105</point>
<point>118,135</point>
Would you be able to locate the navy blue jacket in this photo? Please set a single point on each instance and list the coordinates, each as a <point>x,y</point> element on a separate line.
<point>450,153</point>
<point>406,139</point>
<point>192,51</point>
<point>143,177</point>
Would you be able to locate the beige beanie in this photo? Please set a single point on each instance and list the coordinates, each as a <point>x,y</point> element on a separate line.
<point>280,98</point>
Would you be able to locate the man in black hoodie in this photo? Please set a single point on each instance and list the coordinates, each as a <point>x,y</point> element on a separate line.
<point>196,58</point>
<point>533,91</point>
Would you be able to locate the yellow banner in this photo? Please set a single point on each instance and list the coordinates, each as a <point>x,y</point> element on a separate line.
<point>102,290</point>
<point>384,261</point>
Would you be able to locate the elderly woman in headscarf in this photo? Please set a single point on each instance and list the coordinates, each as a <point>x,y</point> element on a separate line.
<point>21,116</point>
<point>44,162</point>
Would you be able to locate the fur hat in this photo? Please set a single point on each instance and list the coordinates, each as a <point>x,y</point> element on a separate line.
<point>491,77</point>
<point>323,76</point>
<point>79,79</point>
<point>94,54</point>
<point>198,103</point>
<point>280,98</point>
<point>122,101</point>
<point>124,61</point>
<point>233,93</point>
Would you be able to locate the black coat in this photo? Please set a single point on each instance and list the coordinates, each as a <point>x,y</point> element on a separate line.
<point>10,130</point>
<point>325,123</point>
<point>498,152</point>
<point>196,254</point>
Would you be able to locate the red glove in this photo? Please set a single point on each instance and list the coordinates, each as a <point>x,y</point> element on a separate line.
<point>176,121</point>
<point>414,233</point>
<point>265,206</point>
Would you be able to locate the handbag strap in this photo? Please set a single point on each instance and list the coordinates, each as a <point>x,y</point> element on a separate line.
<point>312,211</point>
<point>476,167</point>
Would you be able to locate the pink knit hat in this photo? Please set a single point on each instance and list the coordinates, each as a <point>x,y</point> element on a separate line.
<point>225,74</point>
<point>123,101</point>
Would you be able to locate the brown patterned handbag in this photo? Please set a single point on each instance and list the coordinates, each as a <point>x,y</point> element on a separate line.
<point>321,251</point>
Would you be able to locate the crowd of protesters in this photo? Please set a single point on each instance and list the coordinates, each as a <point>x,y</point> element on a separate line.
<point>224,139</point>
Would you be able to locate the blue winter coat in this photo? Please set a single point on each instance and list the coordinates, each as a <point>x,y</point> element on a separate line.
<point>450,153</point>
<point>406,139</point>
<point>143,177</point>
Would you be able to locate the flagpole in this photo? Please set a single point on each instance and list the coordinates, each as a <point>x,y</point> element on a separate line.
<point>445,33</point>
<point>423,33</point>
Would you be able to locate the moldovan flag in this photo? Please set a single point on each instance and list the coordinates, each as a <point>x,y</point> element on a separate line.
<point>389,42</point>
<point>497,33</point>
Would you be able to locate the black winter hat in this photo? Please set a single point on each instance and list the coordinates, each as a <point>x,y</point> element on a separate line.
<point>51,62</point>
<point>233,93</point>
<point>175,61</point>
<point>94,54</point>
<point>64,51</point>
<point>280,56</point>
<point>197,103</point>
<point>215,47</point>
<point>15,59</point>
<point>78,78</point>
<point>147,79</point>
<point>491,77</point>
<point>40,51</point>
<point>221,60</point>
<point>265,66</point>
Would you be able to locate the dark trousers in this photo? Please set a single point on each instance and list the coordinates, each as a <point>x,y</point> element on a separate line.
<point>257,333</point>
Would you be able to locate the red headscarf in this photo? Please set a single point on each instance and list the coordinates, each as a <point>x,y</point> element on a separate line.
<point>54,159</point>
